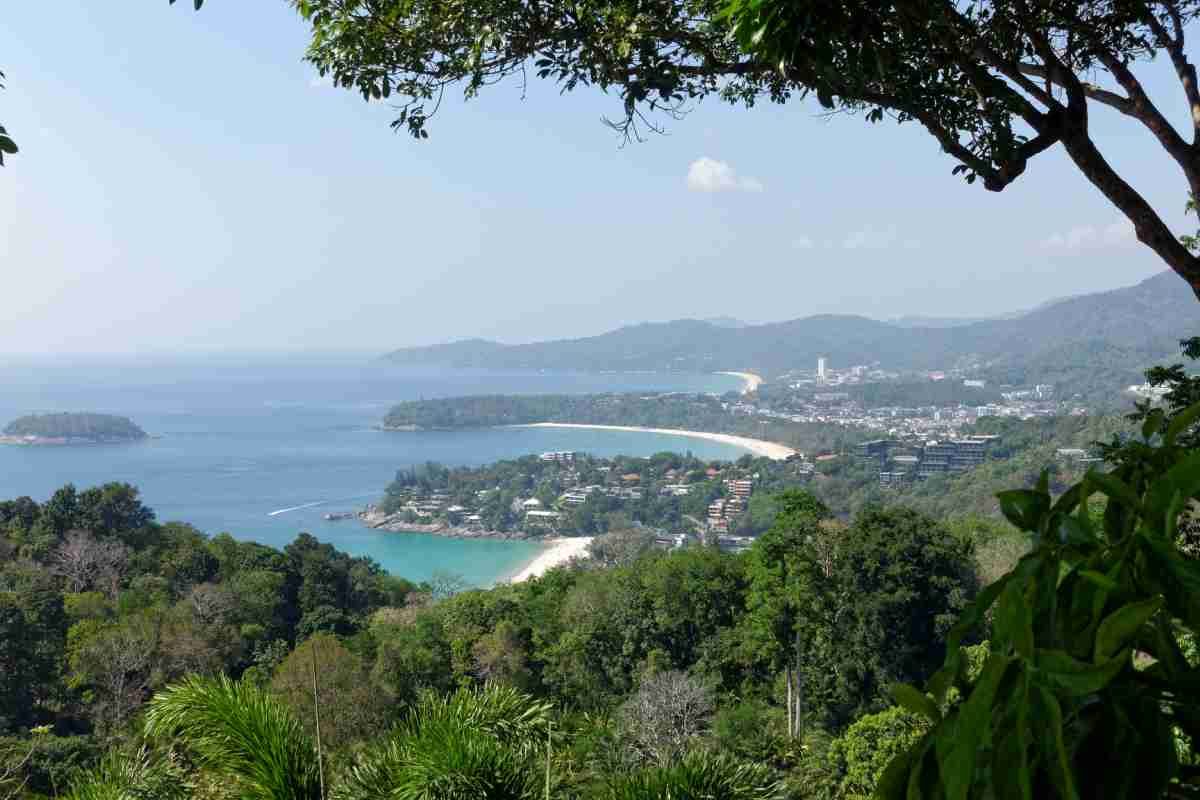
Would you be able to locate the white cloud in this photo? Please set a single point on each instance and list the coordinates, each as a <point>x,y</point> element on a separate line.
<point>709,175</point>
<point>1120,232</point>
<point>878,239</point>
<point>802,243</point>
<point>1082,237</point>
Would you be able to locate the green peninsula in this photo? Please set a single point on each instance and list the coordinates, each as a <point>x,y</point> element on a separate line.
<point>71,428</point>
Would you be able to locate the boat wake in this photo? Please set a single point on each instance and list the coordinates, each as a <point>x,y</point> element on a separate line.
<point>293,508</point>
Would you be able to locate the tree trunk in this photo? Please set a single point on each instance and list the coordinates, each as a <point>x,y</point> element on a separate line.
<point>788,678</point>
<point>799,693</point>
<point>1149,227</point>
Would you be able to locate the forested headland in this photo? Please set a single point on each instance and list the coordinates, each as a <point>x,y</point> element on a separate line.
<point>672,492</point>
<point>74,427</point>
<point>699,412</point>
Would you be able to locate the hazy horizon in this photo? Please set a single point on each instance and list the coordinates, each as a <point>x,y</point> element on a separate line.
<point>318,354</point>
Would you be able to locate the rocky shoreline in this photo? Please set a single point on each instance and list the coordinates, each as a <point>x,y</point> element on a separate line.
<point>372,517</point>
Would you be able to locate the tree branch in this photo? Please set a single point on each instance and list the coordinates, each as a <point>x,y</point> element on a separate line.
<point>1148,114</point>
<point>1184,69</point>
<point>1014,72</point>
<point>1093,92</point>
<point>1151,230</point>
<point>993,179</point>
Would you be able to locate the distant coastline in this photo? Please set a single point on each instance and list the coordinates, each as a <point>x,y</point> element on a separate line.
<point>752,380</point>
<point>772,450</point>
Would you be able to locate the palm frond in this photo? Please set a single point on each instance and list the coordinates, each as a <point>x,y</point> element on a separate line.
<point>443,761</point>
<point>510,716</point>
<point>239,730</point>
<point>696,775</point>
<point>469,745</point>
<point>134,775</point>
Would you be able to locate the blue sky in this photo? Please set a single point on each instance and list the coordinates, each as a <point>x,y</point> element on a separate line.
<point>185,183</point>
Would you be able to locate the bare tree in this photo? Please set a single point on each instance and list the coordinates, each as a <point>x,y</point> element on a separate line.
<point>414,604</point>
<point>500,656</point>
<point>211,604</point>
<point>443,584</point>
<point>86,562</point>
<point>669,711</point>
<point>118,664</point>
<point>13,775</point>
<point>620,547</point>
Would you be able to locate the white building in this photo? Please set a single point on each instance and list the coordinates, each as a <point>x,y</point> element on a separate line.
<point>821,368</point>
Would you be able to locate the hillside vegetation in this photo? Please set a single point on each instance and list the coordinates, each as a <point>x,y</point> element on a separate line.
<point>1106,338</point>
<point>613,651</point>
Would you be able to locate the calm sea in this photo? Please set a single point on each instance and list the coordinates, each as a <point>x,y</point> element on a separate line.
<point>263,449</point>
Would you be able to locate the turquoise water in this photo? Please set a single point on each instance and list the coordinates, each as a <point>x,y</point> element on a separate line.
<point>263,449</point>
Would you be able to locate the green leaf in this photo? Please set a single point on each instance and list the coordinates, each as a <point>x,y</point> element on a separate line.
<point>1050,737</point>
<point>1122,625</point>
<point>1153,423</point>
<point>1077,678</point>
<point>893,784</point>
<point>1183,420</point>
<point>1069,500</point>
<point>1183,478</point>
<point>1177,577</point>
<point>1013,620</point>
<point>916,701</point>
<point>1010,760</point>
<point>1076,532</point>
<point>970,618</point>
<point>1099,579</point>
<point>1023,507</point>
<point>1114,488</point>
<point>958,746</point>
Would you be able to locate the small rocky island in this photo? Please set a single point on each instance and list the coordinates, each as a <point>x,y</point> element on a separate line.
<point>71,428</point>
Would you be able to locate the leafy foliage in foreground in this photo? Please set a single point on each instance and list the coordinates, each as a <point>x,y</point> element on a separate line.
<point>241,732</point>
<point>133,775</point>
<point>698,775</point>
<point>1086,690</point>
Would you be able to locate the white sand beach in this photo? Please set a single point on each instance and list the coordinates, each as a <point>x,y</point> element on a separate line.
<point>774,450</point>
<point>558,551</point>
<point>753,381</point>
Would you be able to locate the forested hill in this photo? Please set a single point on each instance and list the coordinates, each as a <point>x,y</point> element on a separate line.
<point>84,427</point>
<point>1118,332</point>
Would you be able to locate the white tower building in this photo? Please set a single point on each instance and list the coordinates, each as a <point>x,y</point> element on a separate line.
<point>821,368</point>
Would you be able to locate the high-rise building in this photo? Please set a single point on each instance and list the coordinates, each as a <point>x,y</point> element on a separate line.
<point>821,368</point>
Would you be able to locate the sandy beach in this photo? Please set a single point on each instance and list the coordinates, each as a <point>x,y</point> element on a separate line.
<point>752,380</point>
<point>558,551</point>
<point>774,450</point>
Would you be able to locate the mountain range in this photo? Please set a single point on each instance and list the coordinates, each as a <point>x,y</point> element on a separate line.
<point>1117,333</point>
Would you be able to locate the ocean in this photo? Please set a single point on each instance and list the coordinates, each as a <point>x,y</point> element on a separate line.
<point>263,448</point>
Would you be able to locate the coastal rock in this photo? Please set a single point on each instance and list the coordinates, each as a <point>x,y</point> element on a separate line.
<point>372,517</point>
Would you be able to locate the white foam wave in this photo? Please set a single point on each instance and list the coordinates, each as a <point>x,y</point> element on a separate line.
<point>293,508</point>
